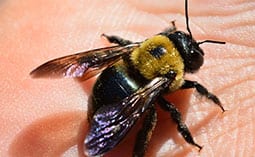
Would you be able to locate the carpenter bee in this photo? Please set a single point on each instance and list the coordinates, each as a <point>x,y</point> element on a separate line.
<point>133,78</point>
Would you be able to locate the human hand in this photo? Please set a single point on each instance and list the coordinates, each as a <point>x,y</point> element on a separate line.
<point>44,117</point>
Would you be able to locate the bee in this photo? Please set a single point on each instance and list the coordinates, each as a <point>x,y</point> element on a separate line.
<point>134,77</point>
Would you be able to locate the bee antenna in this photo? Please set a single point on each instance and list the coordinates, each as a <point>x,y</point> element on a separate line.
<point>211,41</point>
<point>187,17</point>
<point>188,29</point>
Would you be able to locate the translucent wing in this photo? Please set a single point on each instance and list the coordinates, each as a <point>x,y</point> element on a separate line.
<point>111,123</point>
<point>84,64</point>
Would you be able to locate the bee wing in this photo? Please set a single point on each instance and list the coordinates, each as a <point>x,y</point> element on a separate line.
<point>84,64</point>
<point>111,123</point>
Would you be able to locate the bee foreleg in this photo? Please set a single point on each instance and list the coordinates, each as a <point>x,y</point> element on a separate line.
<point>203,91</point>
<point>177,118</point>
<point>144,134</point>
<point>170,29</point>
<point>117,40</point>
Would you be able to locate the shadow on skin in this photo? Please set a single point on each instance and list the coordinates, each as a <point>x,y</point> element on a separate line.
<point>55,134</point>
<point>51,136</point>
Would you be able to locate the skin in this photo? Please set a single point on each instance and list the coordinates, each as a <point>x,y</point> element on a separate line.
<point>47,117</point>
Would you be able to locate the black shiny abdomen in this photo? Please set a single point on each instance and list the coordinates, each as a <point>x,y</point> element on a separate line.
<point>114,84</point>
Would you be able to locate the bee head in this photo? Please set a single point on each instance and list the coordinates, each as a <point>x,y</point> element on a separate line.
<point>192,54</point>
<point>188,47</point>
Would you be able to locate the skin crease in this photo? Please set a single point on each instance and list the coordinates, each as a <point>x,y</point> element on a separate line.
<point>47,117</point>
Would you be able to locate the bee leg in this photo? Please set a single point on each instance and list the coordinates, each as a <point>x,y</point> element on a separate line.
<point>170,29</point>
<point>144,134</point>
<point>177,118</point>
<point>202,91</point>
<point>117,40</point>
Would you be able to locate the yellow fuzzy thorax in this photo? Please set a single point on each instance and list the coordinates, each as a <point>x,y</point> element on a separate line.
<point>150,66</point>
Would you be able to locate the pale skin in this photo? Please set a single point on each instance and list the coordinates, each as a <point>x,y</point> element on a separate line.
<point>46,117</point>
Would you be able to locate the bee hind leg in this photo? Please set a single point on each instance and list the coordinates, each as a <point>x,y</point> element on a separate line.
<point>117,40</point>
<point>144,134</point>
